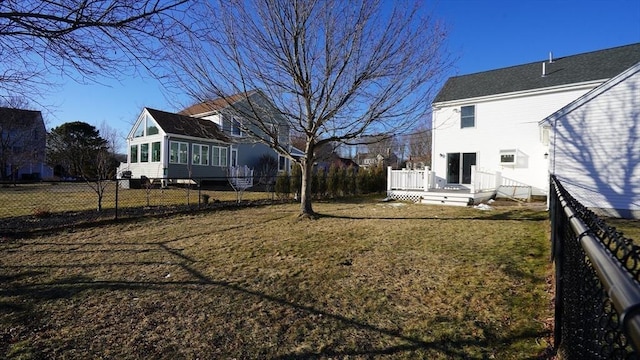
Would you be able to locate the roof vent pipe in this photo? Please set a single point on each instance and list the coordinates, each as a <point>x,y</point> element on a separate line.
<point>550,57</point>
<point>544,69</point>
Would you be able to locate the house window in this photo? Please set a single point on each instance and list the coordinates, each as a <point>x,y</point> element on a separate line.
<point>508,157</point>
<point>155,151</point>
<point>282,163</point>
<point>178,152</point>
<point>236,127</point>
<point>144,153</point>
<point>467,116</point>
<point>152,128</point>
<point>234,157</point>
<point>139,131</point>
<point>219,156</point>
<point>200,154</point>
<point>134,154</point>
<point>204,155</point>
<point>195,154</point>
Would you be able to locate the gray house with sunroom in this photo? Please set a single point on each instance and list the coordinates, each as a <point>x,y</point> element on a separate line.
<point>204,140</point>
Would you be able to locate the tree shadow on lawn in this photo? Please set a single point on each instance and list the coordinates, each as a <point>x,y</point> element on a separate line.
<point>69,287</point>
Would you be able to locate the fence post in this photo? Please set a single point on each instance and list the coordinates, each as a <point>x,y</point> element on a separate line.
<point>556,258</point>
<point>117,186</point>
<point>389,179</point>
<point>199,193</point>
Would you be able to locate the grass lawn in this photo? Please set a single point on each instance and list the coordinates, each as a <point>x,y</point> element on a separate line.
<point>365,280</point>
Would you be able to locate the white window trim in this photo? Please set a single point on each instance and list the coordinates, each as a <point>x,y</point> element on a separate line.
<point>159,151</point>
<point>284,162</point>
<point>131,159</point>
<point>474,117</point>
<point>239,127</point>
<point>177,160</point>
<point>148,159</point>
<point>221,159</point>
<point>507,153</point>
<point>233,159</point>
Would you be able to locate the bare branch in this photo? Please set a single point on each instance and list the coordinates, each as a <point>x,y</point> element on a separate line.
<point>82,39</point>
<point>335,70</point>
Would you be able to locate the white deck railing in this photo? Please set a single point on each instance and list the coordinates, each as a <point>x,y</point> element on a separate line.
<point>423,180</point>
<point>416,180</point>
<point>484,180</point>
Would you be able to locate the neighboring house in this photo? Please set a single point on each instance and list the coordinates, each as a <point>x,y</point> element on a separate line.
<point>490,119</point>
<point>418,162</point>
<point>594,146</point>
<point>367,160</point>
<point>337,161</point>
<point>22,145</point>
<point>163,144</point>
<point>234,115</point>
<point>204,140</point>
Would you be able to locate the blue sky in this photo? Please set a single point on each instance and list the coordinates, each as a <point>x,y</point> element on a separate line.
<point>483,35</point>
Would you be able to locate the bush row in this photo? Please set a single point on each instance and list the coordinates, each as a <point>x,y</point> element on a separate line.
<point>337,182</point>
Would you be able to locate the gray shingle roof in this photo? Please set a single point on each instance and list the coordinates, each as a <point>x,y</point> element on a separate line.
<point>19,118</point>
<point>187,126</point>
<point>596,65</point>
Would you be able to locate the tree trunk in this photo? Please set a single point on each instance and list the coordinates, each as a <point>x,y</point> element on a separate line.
<point>306,209</point>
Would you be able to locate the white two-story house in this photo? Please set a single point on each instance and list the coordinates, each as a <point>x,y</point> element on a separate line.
<point>491,119</point>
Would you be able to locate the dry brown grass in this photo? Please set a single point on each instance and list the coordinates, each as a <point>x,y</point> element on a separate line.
<point>365,280</point>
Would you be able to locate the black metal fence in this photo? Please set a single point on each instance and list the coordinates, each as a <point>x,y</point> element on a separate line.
<point>597,274</point>
<point>25,207</point>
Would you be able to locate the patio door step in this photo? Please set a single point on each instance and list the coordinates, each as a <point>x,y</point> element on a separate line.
<point>463,199</point>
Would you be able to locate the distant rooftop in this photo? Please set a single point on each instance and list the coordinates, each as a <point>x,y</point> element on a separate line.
<point>215,104</point>
<point>591,66</point>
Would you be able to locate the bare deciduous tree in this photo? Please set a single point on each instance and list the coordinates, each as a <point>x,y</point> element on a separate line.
<point>335,70</point>
<point>419,143</point>
<point>79,38</point>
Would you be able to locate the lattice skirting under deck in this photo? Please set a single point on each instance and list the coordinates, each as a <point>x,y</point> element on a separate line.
<point>403,195</point>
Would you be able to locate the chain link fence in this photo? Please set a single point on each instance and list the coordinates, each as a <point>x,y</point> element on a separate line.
<point>597,303</point>
<point>27,207</point>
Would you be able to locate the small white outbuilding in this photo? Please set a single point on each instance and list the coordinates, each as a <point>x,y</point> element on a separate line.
<point>594,146</point>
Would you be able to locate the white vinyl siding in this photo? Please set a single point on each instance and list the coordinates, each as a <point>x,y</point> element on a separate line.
<point>594,149</point>
<point>506,123</point>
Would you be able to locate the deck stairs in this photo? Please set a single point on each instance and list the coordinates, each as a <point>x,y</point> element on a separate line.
<point>450,195</point>
<point>449,198</point>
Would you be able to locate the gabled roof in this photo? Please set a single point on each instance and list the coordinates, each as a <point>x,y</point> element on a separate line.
<point>215,104</point>
<point>20,118</point>
<point>177,124</point>
<point>591,66</point>
<point>592,94</point>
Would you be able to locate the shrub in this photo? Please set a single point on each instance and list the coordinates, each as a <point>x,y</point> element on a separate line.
<point>41,211</point>
<point>282,186</point>
<point>322,183</point>
<point>296,180</point>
